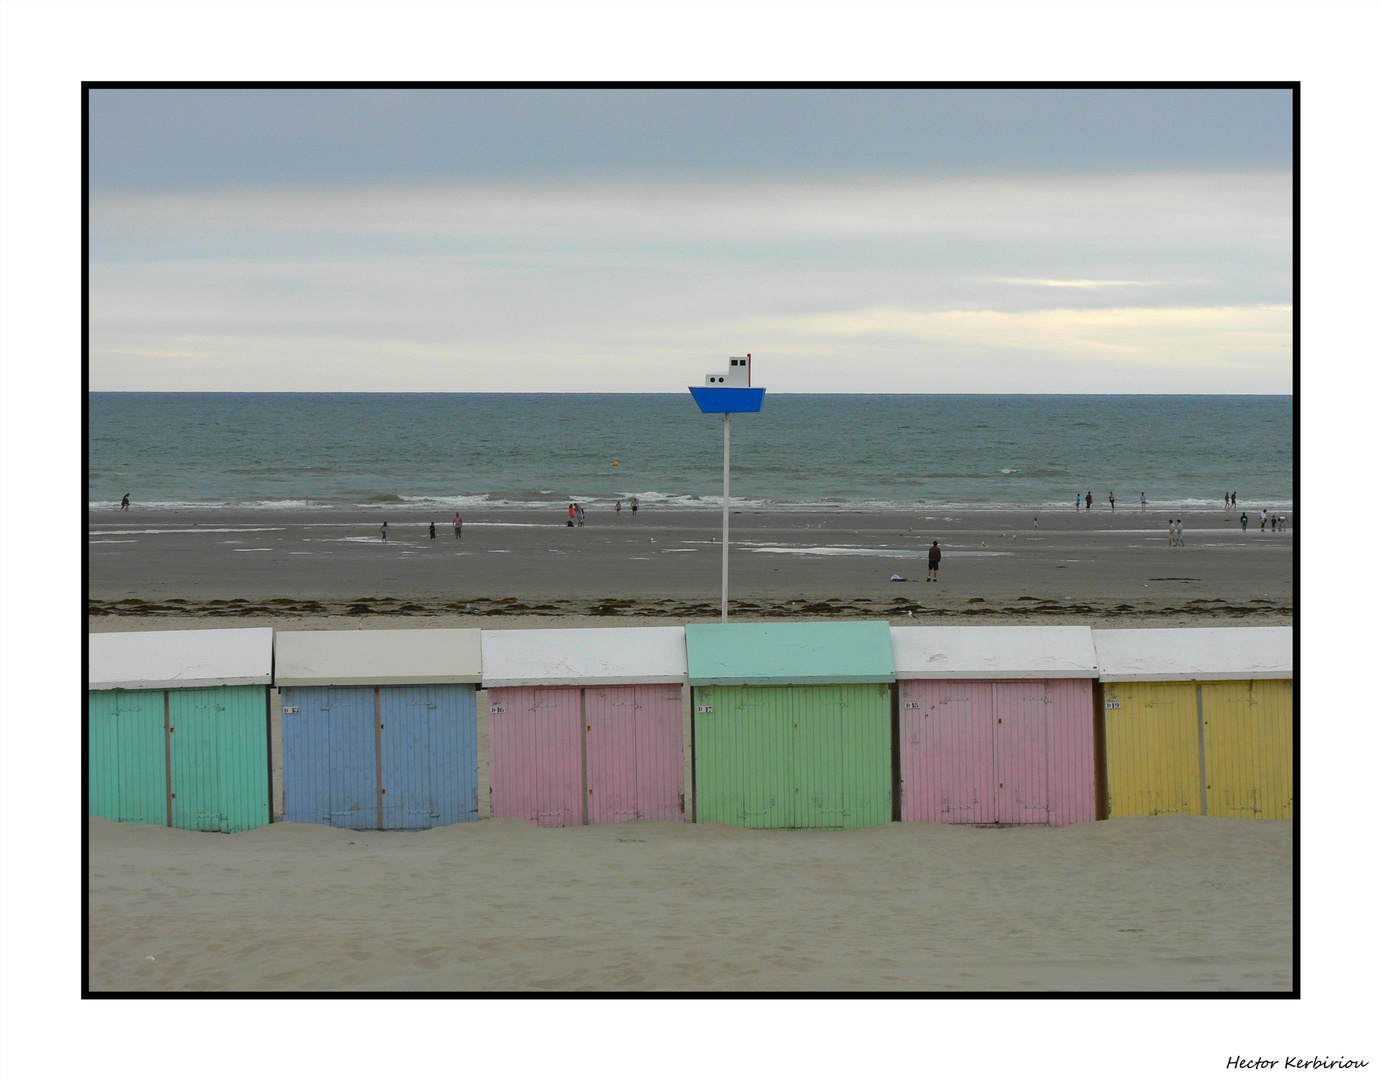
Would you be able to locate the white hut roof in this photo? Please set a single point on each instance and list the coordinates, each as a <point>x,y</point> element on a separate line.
<point>588,657</point>
<point>174,659</point>
<point>377,657</point>
<point>994,652</point>
<point>1196,654</point>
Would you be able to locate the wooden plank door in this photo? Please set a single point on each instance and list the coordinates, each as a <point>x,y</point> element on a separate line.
<point>1021,742</point>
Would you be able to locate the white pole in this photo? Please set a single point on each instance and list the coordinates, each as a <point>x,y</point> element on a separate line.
<point>724,585</point>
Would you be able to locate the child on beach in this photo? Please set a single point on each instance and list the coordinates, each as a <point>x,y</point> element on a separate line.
<point>124,503</point>
<point>431,530</point>
<point>383,531</point>
<point>618,508</point>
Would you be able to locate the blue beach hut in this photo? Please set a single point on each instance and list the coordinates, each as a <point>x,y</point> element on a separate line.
<point>379,727</point>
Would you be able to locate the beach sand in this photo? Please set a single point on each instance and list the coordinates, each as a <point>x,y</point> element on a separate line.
<point>522,568</point>
<point>1138,904</point>
<point>1170,903</point>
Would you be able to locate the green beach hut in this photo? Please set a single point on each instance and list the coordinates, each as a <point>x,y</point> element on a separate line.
<point>177,728</point>
<point>792,724</point>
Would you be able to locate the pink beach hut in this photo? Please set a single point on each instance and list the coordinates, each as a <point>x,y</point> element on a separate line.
<point>996,724</point>
<point>586,726</point>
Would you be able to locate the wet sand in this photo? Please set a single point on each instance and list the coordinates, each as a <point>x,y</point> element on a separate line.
<point>522,568</point>
<point>1138,904</point>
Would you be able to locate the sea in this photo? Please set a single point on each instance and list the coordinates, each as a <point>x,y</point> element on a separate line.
<point>437,453</point>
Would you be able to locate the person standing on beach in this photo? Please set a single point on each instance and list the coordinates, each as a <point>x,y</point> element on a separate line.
<point>1263,520</point>
<point>431,530</point>
<point>1078,501</point>
<point>1088,500</point>
<point>1244,521</point>
<point>383,531</point>
<point>570,515</point>
<point>1143,500</point>
<point>579,515</point>
<point>456,523</point>
<point>1179,532</point>
<point>124,503</point>
<point>1111,501</point>
<point>633,505</point>
<point>618,508</point>
<point>933,574</point>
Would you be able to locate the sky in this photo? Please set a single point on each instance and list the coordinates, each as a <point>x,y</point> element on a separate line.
<point>630,240</point>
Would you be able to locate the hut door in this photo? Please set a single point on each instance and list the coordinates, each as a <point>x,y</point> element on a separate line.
<point>818,757</point>
<point>611,753</point>
<point>407,715</point>
<point>127,771</point>
<point>1020,742</point>
<point>328,756</point>
<point>661,759</point>
<point>947,747</point>
<point>194,719</point>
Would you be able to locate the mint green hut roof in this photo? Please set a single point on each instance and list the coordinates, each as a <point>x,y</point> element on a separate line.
<point>789,654</point>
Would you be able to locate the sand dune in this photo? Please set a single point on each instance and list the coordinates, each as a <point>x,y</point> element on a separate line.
<point>1168,903</point>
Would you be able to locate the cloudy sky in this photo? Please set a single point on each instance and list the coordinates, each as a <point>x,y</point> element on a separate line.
<point>629,240</point>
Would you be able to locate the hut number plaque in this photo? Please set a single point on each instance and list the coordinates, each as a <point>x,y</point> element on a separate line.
<point>911,705</point>
<point>1112,704</point>
<point>497,708</point>
<point>704,708</point>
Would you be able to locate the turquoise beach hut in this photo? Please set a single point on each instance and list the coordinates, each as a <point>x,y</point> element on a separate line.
<point>178,728</point>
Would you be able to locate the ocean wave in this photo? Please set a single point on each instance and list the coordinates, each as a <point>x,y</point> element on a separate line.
<point>445,506</point>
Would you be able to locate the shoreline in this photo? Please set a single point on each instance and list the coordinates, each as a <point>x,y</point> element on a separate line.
<point>515,568</point>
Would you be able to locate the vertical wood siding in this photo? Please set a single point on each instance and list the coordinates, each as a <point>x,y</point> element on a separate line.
<point>430,765</point>
<point>996,752</point>
<point>634,766</point>
<point>1153,748</point>
<point>1249,748</point>
<point>219,741</point>
<point>793,757</point>
<point>329,775</point>
<point>535,768</point>
<point>1071,753</point>
<point>127,777</point>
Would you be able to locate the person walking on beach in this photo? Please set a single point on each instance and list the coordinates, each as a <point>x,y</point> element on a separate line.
<point>1088,500</point>
<point>933,574</point>
<point>1111,501</point>
<point>1078,501</point>
<point>431,530</point>
<point>1172,532</point>
<point>383,531</point>
<point>1227,499</point>
<point>1179,532</point>
<point>1263,520</point>
<point>124,503</point>
<point>1234,500</point>
<point>570,516</point>
<point>1244,521</point>
<point>456,523</point>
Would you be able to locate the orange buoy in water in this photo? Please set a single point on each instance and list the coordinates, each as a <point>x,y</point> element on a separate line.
<point>616,464</point>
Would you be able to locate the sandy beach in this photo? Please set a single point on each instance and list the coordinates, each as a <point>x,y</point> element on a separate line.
<point>1131,904</point>
<point>1177,903</point>
<point>523,568</point>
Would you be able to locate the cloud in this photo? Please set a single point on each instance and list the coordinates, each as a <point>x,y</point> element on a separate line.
<point>637,286</point>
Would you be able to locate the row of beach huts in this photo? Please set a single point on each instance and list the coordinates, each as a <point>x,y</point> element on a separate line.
<point>766,725</point>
